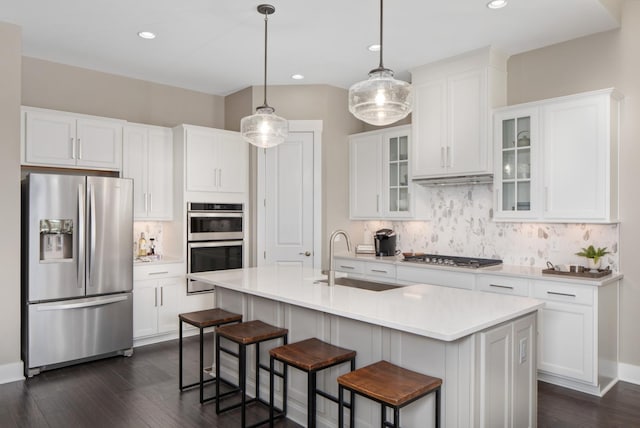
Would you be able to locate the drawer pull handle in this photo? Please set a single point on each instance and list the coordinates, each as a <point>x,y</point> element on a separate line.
<point>347,267</point>
<point>159,273</point>
<point>555,293</point>
<point>379,271</point>
<point>501,286</point>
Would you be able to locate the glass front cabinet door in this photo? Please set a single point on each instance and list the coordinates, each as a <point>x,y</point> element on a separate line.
<point>396,163</point>
<point>515,176</point>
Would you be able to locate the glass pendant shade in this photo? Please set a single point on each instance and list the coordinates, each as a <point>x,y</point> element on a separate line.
<point>264,129</point>
<point>381,99</point>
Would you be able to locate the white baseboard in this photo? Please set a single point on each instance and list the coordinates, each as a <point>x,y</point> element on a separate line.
<point>11,372</point>
<point>629,373</point>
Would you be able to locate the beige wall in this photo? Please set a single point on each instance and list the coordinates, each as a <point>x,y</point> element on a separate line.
<point>603,60</point>
<point>62,87</point>
<point>312,102</point>
<point>10,62</point>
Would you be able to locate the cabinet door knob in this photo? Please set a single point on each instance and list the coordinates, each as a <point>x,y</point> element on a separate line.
<point>306,253</point>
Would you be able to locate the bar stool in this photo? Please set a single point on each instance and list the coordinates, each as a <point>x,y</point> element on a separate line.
<point>389,385</point>
<point>245,334</point>
<point>310,356</point>
<point>201,320</point>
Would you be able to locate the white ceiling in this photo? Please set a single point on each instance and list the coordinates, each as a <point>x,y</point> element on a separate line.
<point>216,46</point>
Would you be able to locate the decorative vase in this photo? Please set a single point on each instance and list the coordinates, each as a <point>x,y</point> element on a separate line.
<point>592,265</point>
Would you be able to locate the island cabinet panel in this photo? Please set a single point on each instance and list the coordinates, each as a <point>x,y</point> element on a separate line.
<point>410,351</point>
<point>507,380</point>
<point>366,340</point>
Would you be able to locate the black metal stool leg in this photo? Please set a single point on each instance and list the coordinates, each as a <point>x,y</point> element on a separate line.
<point>242,369</point>
<point>341,405</point>
<point>180,357</point>
<point>257,371</point>
<point>217,353</point>
<point>396,417</point>
<point>438,408</point>
<point>271,390</point>
<point>311,400</point>
<point>201,365</point>
<point>352,396</point>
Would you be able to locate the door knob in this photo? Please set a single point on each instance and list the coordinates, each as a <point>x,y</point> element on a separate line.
<point>306,253</point>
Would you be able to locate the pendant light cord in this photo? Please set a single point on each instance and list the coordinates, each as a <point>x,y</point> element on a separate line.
<point>381,66</point>
<point>266,16</point>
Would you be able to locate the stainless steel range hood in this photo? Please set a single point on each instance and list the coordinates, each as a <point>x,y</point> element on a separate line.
<point>455,180</point>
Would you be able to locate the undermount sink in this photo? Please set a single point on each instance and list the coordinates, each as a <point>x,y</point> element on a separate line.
<point>362,284</point>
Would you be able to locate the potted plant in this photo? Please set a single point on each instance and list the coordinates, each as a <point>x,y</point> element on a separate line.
<point>593,256</point>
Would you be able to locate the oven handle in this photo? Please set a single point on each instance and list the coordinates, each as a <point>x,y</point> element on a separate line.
<point>196,214</point>
<point>214,244</point>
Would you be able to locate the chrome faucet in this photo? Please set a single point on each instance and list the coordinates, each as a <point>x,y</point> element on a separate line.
<point>332,273</point>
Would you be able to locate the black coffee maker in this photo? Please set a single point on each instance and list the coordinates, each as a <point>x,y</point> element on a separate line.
<point>385,240</point>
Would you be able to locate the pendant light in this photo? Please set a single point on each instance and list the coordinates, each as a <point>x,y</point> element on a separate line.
<point>264,128</point>
<point>381,99</point>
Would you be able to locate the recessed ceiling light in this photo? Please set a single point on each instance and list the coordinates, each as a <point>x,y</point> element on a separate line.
<point>374,48</point>
<point>147,35</point>
<point>297,76</point>
<point>497,4</point>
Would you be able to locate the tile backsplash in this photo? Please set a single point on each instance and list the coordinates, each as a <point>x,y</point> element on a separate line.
<point>151,229</point>
<point>461,224</point>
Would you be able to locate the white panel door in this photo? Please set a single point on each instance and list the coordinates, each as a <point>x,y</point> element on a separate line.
<point>467,128</point>
<point>575,150</point>
<point>496,377</point>
<point>169,304</point>
<point>430,129</point>
<point>145,308</point>
<point>99,143</point>
<point>232,163</point>
<point>288,201</point>
<point>50,138</point>
<point>365,164</point>
<point>200,161</point>
<point>134,166</point>
<point>160,177</point>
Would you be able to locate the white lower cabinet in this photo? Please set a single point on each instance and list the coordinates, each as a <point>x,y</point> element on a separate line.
<point>156,306</point>
<point>159,296</point>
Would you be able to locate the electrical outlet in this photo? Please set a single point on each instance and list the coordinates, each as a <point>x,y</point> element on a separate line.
<point>523,350</point>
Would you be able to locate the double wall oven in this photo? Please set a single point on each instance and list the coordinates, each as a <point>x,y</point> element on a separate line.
<point>215,237</point>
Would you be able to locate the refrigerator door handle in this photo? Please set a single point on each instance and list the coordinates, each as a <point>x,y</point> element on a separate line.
<point>81,236</point>
<point>92,231</point>
<point>77,305</point>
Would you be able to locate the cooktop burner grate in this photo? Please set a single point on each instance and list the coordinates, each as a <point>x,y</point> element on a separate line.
<point>456,261</point>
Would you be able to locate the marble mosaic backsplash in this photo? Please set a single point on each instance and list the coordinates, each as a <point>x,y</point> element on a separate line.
<point>151,229</point>
<point>461,224</point>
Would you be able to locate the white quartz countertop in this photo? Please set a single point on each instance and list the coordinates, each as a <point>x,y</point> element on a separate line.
<point>528,272</point>
<point>441,313</point>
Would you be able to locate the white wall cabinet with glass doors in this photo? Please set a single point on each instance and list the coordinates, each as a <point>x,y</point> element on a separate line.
<point>557,159</point>
<point>380,175</point>
<point>515,177</point>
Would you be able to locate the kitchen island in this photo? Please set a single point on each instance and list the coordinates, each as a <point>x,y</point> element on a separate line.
<point>482,345</point>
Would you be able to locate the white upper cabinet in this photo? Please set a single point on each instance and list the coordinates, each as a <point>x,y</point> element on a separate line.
<point>52,138</point>
<point>216,160</point>
<point>567,172</point>
<point>380,176</point>
<point>451,115</point>
<point>148,160</point>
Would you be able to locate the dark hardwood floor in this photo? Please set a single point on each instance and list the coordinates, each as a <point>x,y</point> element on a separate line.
<point>142,391</point>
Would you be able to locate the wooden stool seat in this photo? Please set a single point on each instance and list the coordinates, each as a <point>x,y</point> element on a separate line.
<point>209,318</point>
<point>250,332</point>
<point>246,334</point>
<point>201,320</point>
<point>391,386</point>
<point>310,356</point>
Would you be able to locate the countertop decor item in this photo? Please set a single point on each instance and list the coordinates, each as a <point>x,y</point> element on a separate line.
<point>380,100</point>
<point>593,256</point>
<point>264,128</point>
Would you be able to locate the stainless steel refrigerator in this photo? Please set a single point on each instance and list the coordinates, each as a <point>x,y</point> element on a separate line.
<point>77,269</point>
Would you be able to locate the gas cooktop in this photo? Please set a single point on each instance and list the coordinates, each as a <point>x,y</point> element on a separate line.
<point>454,261</point>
